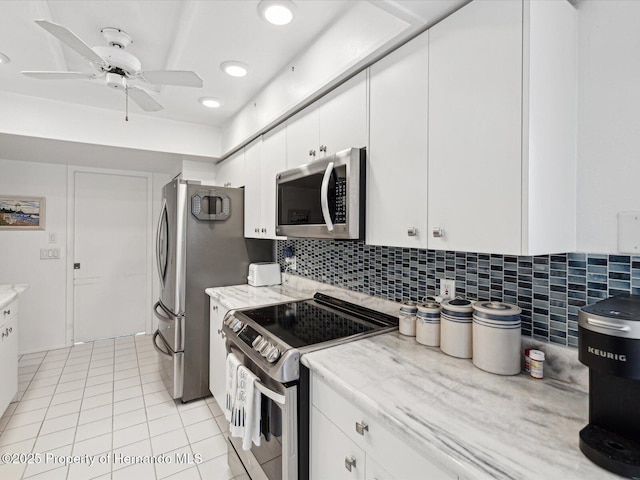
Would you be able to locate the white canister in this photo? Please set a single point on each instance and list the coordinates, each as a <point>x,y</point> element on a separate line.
<point>497,337</point>
<point>407,319</point>
<point>455,328</point>
<point>428,324</point>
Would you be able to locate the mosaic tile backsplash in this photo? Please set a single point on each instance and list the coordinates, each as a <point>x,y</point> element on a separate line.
<point>550,289</point>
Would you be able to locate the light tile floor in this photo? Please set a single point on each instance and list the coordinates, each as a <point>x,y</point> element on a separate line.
<point>105,400</point>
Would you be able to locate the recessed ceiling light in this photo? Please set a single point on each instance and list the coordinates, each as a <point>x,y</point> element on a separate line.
<point>235,69</point>
<point>277,12</point>
<point>210,102</point>
<point>4,58</point>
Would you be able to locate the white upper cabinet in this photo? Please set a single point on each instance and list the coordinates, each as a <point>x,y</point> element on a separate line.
<point>397,156</point>
<point>274,151</point>
<point>253,190</point>
<point>335,122</point>
<point>230,172</point>
<point>264,158</point>
<point>502,116</point>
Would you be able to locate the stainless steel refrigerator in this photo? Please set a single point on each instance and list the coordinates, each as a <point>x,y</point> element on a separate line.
<point>200,244</point>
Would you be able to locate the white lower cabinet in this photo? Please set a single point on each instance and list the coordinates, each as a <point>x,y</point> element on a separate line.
<point>333,455</point>
<point>8,354</point>
<point>340,432</point>
<point>217,352</point>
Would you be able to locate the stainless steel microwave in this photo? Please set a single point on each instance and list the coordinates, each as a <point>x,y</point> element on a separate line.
<point>324,198</point>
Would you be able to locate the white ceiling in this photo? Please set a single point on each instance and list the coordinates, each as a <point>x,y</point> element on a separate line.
<point>175,35</point>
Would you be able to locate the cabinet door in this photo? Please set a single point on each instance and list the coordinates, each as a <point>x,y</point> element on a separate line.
<point>397,163</point>
<point>217,353</point>
<point>302,137</point>
<point>274,151</point>
<point>343,116</point>
<point>253,190</point>
<point>8,354</point>
<point>331,451</point>
<point>475,119</point>
<point>230,172</point>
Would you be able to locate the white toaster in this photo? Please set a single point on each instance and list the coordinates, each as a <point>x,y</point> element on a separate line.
<point>263,274</point>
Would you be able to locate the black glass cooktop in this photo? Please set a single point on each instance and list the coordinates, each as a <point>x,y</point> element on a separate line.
<point>308,322</point>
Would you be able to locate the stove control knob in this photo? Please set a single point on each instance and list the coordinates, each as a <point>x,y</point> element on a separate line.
<point>273,355</point>
<point>265,347</point>
<point>237,326</point>
<point>256,342</point>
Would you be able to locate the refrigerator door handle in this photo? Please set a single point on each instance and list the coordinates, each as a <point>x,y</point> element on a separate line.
<point>155,344</point>
<point>161,250</point>
<point>163,314</point>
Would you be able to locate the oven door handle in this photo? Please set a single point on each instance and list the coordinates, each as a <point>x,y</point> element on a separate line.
<point>324,197</point>
<point>275,396</point>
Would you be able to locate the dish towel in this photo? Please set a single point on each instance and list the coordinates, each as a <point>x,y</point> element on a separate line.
<point>246,411</point>
<point>231,380</point>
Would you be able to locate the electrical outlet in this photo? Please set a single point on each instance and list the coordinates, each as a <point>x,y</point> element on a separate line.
<point>292,263</point>
<point>447,288</point>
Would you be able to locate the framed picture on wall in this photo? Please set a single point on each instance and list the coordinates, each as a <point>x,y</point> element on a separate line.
<point>22,213</point>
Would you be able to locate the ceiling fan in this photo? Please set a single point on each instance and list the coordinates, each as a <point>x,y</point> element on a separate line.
<point>115,65</point>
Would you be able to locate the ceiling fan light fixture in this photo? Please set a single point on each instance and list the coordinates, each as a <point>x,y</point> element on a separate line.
<point>277,12</point>
<point>4,58</point>
<point>210,102</point>
<point>235,69</point>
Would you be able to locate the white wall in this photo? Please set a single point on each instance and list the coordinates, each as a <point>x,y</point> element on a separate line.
<point>608,120</point>
<point>43,308</point>
<point>42,316</point>
<point>202,171</point>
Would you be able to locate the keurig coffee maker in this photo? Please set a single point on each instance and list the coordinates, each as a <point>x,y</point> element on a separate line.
<point>609,344</point>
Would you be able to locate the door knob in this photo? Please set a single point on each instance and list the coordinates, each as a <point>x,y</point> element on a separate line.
<point>362,427</point>
<point>412,231</point>
<point>438,232</point>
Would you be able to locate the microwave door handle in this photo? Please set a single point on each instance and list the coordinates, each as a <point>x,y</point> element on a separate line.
<point>324,197</point>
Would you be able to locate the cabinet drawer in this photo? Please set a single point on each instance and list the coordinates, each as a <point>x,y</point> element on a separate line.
<point>395,456</point>
<point>333,455</point>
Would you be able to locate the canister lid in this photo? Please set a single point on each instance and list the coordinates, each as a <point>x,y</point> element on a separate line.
<point>409,307</point>
<point>458,305</point>
<point>429,307</point>
<point>496,309</point>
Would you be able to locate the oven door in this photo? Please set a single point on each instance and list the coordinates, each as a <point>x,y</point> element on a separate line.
<point>324,198</point>
<point>277,456</point>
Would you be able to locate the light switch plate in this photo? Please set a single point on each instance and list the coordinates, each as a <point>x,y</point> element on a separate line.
<point>629,232</point>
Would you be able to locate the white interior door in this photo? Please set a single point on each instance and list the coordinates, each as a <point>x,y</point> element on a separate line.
<point>110,255</point>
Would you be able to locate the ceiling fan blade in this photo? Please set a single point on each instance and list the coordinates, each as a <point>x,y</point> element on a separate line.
<point>143,99</point>
<point>179,78</point>
<point>72,41</point>
<point>59,75</point>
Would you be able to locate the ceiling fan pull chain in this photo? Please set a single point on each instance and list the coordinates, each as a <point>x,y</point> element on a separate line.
<point>126,94</point>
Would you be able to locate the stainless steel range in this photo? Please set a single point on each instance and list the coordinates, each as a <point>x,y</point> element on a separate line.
<point>269,341</point>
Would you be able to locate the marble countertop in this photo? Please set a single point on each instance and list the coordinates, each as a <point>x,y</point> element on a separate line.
<point>9,292</point>
<point>478,424</point>
<point>246,296</point>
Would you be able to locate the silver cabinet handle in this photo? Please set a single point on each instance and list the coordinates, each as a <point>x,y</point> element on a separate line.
<point>264,230</point>
<point>362,427</point>
<point>323,148</point>
<point>349,463</point>
<point>312,153</point>
<point>7,312</point>
<point>412,231</point>
<point>324,197</point>
<point>438,232</point>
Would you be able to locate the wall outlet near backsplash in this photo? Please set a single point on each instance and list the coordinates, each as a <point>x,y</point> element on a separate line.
<point>447,289</point>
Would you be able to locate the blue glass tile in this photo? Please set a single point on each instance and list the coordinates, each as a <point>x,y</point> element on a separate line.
<point>619,267</point>
<point>592,277</point>
<point>619,259</point>
<point>577,256</point>
<point>596,269</point>
<point>597,260</point>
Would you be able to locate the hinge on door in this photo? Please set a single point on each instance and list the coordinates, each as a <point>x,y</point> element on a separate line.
<point>76,266</point>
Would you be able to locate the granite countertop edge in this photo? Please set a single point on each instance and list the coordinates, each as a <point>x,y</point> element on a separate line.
<point>9,292</point>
